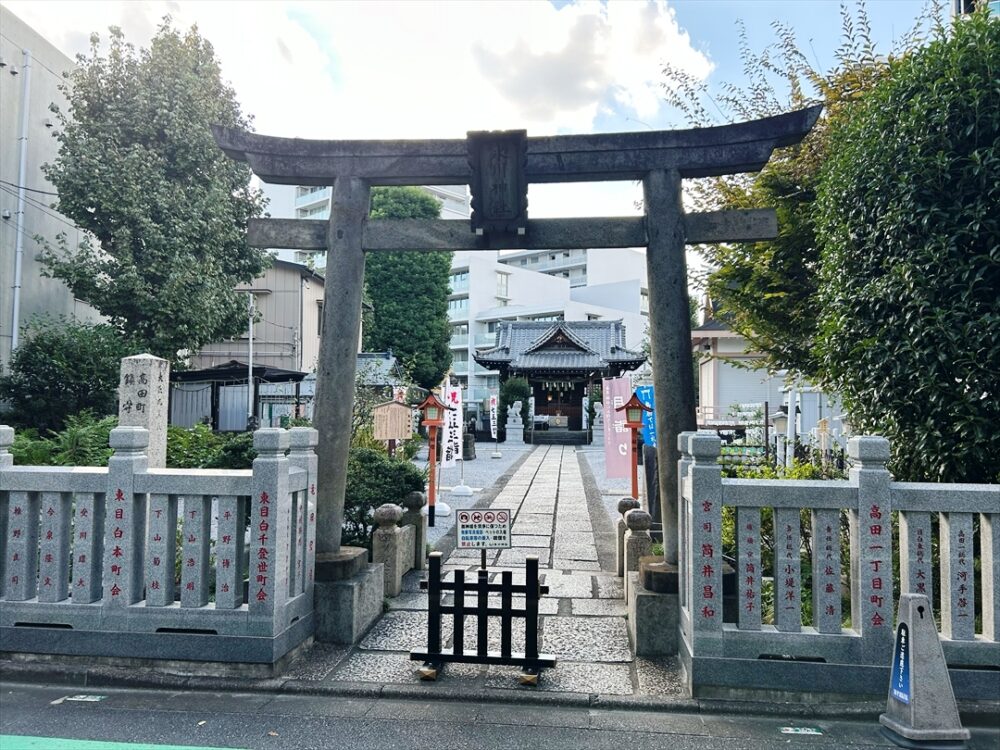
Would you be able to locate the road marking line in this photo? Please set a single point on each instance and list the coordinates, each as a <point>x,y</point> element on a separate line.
<point>23,742</point>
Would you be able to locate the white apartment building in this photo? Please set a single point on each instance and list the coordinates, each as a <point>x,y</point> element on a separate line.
<point>311,202</point>
<point>31,71</point>
<point>485,291</point>
<point>487,287</point>
<point>592,269</point>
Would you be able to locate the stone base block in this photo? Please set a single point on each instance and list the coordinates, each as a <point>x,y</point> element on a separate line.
<point>657,576</point>
<point>341,566</point>
<point>346,609</point>
<point>652,619</point>
<point>190,646</point>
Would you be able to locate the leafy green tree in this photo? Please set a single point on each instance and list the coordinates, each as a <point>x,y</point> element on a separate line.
<point>909,221</point>
<point>409,292</point>
<point>139,169</point>
<point>767,290</point>
<point>62,368</point>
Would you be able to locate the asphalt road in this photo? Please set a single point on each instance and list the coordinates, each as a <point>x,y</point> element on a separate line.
<point>149,718</point>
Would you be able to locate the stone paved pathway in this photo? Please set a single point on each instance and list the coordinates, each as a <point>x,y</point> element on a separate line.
<point>582,619</point>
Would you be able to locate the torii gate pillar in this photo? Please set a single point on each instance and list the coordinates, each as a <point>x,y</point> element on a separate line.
<point>338,357</point>
<point>669,336</point>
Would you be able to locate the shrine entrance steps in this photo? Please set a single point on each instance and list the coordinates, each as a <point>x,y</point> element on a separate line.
<point>557,437</point>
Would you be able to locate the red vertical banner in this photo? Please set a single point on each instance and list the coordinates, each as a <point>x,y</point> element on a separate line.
<point>617,437</point>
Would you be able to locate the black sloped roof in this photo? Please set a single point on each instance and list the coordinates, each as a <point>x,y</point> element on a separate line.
<point>563,346</point>
<point>234,370</point>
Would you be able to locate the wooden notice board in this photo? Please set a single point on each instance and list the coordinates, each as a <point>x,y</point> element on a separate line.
<point>393,421</point>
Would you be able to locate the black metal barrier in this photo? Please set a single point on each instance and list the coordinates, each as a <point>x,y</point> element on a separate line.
<point>434,655</point>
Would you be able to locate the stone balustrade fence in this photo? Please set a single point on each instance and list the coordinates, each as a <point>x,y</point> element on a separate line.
<point>90,557</point>
<point>843,649</point>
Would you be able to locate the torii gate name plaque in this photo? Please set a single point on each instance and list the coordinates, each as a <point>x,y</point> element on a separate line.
<point>499,166</point>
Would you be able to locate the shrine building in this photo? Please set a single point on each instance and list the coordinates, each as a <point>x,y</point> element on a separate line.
<point>560,361</point>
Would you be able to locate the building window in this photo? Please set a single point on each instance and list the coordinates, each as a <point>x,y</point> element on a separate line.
<point>458,305</point>
<point>523,261</point>
<point>303,190</point>
<point>306,213</point>
<point>534,258</point>
<point>460,355</point>
<point>460,330</point>
<point>502,285</point>
<point>591,316</point>
<point>319,318</point>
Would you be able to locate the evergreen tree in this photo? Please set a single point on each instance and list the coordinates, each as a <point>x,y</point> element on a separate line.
<point>908,218</point>
<point>139,169</point>
<point>409,292</point>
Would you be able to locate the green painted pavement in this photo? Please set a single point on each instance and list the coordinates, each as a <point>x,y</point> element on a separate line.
<point>18,742</point>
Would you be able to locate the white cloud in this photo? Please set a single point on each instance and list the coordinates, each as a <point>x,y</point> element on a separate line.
<point>420,69</point>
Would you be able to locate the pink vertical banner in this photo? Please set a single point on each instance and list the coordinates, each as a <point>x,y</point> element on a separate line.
<point>617,436</point>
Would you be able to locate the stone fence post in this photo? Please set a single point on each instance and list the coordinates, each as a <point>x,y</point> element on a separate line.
<point>124,519</point>
<point>412,516</point>
<point>638,542</point>
<point>392,546</point>
<point>704,536</point>
<point>624,506</point>
<point>302,455</point>
<point>6,461</point>
<point>871,547</point>
<point>270,529</point>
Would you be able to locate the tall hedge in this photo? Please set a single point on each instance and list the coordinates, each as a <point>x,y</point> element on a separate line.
<point>909,220</point>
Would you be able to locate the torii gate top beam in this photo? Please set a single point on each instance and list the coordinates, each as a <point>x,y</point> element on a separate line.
<point>697,152</point>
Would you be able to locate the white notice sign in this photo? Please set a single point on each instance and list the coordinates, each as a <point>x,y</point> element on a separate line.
<point>483,529</point>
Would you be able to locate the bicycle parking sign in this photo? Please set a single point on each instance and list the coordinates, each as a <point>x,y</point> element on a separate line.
<point>483,529</point>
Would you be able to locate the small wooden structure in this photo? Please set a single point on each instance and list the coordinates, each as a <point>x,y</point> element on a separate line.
<point>434,656</point>
<point>560,360</point>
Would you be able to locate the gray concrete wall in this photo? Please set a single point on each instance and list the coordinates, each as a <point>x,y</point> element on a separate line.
<point>39,296</point>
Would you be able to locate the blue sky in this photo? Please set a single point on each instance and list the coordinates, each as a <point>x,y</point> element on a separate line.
<point>712,27</point>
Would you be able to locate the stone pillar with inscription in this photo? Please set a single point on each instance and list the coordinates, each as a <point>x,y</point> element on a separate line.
<point>871,547</point>
<point>124,520</point>
<point>270,521</point>
<point>143,400</point>
<point>704,535</point>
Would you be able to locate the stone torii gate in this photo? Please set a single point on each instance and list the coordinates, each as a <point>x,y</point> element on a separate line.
<point>499,166</point>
